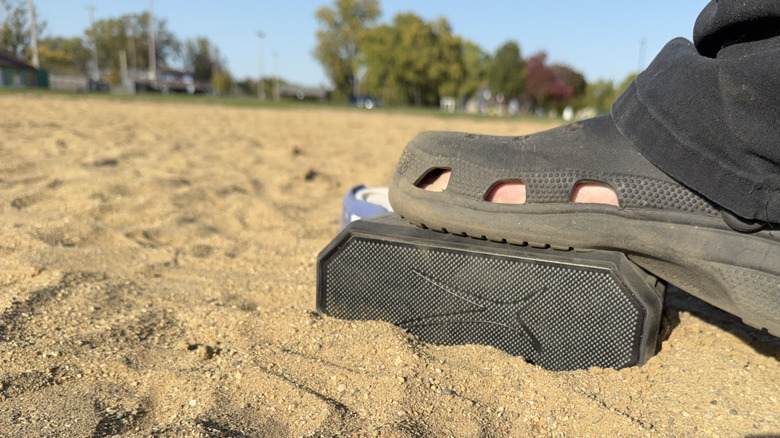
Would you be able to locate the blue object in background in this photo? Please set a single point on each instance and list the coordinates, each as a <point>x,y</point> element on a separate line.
<point>362,202</point>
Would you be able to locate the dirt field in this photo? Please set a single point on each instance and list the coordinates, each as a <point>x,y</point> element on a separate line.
<point>157,278</point>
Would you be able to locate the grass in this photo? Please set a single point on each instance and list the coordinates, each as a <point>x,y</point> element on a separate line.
<point>252,102</point>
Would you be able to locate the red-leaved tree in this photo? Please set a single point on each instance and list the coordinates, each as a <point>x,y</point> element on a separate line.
<point>551,86</point>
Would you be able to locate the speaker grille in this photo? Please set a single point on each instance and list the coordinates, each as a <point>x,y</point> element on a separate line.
<point>558,315</point>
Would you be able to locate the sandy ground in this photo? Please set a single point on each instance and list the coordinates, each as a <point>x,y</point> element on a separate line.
<point>157,278</point>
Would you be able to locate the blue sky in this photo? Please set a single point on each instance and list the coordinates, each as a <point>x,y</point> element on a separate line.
<point>600,38</point>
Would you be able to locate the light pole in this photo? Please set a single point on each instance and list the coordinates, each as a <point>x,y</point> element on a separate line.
<point>133,56</point>
<point>642,44</point>
<point>260,85</point>
<point>96,74</point>
<point>152,48</point>
<point>33,34</point>
<point>276,76</point>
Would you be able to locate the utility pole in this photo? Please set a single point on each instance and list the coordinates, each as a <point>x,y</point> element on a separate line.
<point>260,85</point>
<point>152,49</point>
<point>123,70</point>
<point>33,34</point>
<point>130,24</point>
<point>96,74</point>
<point>276,76</point>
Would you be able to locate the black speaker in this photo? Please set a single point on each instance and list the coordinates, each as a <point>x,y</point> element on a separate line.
<point>561,310</point>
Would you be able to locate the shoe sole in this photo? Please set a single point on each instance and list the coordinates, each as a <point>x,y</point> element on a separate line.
<point>737,272</point>
<point>559,310</point>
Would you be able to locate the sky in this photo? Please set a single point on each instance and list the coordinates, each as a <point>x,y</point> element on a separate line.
<point>603,39</point>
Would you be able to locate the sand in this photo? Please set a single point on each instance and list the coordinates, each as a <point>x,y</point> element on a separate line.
<point>157,278</point>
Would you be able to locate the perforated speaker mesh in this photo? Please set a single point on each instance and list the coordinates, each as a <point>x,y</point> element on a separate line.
<point>555,313</point>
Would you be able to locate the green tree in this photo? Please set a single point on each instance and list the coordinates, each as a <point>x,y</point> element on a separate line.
<point>63,55</point>
<point>476,63</point>
<point>447,67</point>
<point>202,58</point>
<point>135,39</point>
<point>14,36</point>
<point>507,73</point>
<point>246,87</point>
<point>338,41</point>
<point>623,85</point>
<point>377,78</point>
<point>15,28</point>
<point>412,61</point>
<point>130,33</point>
<point>222,82</point>
<point>600,95</point>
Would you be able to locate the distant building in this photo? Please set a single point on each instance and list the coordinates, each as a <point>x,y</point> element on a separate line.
<point>18,74</point>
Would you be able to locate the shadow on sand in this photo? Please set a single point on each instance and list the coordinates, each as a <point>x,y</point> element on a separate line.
<point>678,301</point>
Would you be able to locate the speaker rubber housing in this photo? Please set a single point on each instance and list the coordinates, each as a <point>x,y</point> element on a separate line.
<point>561,310</point>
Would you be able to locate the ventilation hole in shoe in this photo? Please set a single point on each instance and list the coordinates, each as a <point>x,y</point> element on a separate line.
<point>506,192</point>
<point>435,180</point>
<point>591,192</point>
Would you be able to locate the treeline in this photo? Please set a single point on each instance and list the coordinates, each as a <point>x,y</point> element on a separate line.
<point>411,61</point>
<point>408,61</point>
<point>106,41</point>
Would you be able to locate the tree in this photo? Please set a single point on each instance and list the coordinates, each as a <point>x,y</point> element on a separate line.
<point>412,61</point>
<point>569,77</point>
<point>246,87</point>
<point>130,33</point>
<point>222,82</point>
<point>63,55</point>
<point>552,86</point>
<point>477,64</point>
<point>202,58</point>
<point>623,85</point>
<point>15,28</point>
<point>539,79</point>
<point>338,41</point>
<point>508,71</point>
<point>448,68</point>
<point>600,95</point>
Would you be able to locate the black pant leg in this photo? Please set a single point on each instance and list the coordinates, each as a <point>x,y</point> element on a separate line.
<point>708,114</point>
